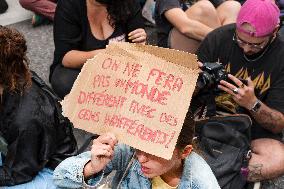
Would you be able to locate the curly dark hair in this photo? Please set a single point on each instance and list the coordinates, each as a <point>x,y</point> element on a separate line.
<point>14,72</point>
<point>118,10</point>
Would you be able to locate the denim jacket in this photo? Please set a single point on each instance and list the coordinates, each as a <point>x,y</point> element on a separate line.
<point>69,174</point>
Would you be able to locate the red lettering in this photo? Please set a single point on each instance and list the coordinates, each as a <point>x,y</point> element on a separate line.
<point>101,81</point>
<point>169,119</point>
<point>162,138</point>
<point>88,115</point>
<point>141,109</point>
<point>134,128</point>
<point>132,69</point>
<point>101,99</point>
<point>111,64</point>
<point>178,84</point>
<point>167,81</point>
<point>120,83</point>
<point>153,94</point>
<point>170,140</point>
<point>82,97</point>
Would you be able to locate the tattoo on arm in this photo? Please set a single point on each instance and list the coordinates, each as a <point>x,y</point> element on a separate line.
<point>270,119</point>
<point>255,173</point>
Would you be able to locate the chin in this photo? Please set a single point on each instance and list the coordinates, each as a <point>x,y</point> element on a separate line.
<point>149,175</point>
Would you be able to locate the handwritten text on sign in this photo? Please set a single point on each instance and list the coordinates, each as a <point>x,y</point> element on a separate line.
<point>140,102</point>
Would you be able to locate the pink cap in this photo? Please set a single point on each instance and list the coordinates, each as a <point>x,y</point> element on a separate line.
<point>262,15</point>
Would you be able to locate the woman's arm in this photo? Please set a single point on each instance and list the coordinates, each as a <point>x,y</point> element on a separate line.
<point>72,172</point>
<point>76,58</point>
<point>87,166</point>
<point>69,173</point>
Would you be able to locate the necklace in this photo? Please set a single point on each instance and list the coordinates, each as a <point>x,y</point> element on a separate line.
<point>257,58</point>
<point>263,52</point>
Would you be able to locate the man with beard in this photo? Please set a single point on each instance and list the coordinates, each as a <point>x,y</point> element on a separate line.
<point>252,50</point>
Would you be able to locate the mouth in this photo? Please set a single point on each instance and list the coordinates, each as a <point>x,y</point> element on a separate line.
<point>145,170</point>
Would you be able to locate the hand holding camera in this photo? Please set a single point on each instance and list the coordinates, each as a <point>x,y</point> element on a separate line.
<point>242,94</point>
<point>214,76</point>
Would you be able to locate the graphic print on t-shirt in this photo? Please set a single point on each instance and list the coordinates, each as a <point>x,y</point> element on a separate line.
<point>261,82</point>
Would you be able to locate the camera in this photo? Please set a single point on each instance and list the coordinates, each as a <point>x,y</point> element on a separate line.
<point>213,73</point>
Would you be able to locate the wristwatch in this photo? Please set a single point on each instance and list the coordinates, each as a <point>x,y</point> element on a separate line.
<point>256,106</point>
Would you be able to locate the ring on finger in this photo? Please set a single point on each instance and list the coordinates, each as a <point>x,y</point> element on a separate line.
<point>242,85</point>
<point>236,90</point>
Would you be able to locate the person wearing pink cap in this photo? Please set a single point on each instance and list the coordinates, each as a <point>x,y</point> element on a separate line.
<point>252,50</point>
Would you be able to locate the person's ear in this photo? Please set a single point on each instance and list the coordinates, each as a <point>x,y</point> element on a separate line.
<point>186,151</point>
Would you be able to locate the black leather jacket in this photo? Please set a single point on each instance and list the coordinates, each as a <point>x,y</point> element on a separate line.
<point>35,137</point>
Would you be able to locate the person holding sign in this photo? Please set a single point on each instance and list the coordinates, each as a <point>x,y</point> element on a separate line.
<point>83,28</point>
<point>33,139</point>
<point>138,169</point>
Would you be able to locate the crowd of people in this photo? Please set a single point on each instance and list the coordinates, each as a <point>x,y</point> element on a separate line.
<point>37,146</point>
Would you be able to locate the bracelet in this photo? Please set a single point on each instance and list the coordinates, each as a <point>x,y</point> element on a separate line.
<point>85,185</point>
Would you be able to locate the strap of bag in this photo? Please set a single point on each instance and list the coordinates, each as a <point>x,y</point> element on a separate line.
<point>127,169</point>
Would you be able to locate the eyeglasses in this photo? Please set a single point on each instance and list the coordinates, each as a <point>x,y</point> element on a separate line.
<point>254,46</point>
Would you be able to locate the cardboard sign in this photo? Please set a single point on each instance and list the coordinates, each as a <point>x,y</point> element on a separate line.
<point>140,93</point>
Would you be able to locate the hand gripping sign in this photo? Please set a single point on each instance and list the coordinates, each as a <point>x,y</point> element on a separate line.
<point>140,93</point>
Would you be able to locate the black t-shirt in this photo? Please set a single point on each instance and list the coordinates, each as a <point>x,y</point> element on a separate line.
<point>72,30</point>
<point>267,71</point>
<point>163,25</point>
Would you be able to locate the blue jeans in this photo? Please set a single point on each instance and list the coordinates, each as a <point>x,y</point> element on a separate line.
<point>43,180</point>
